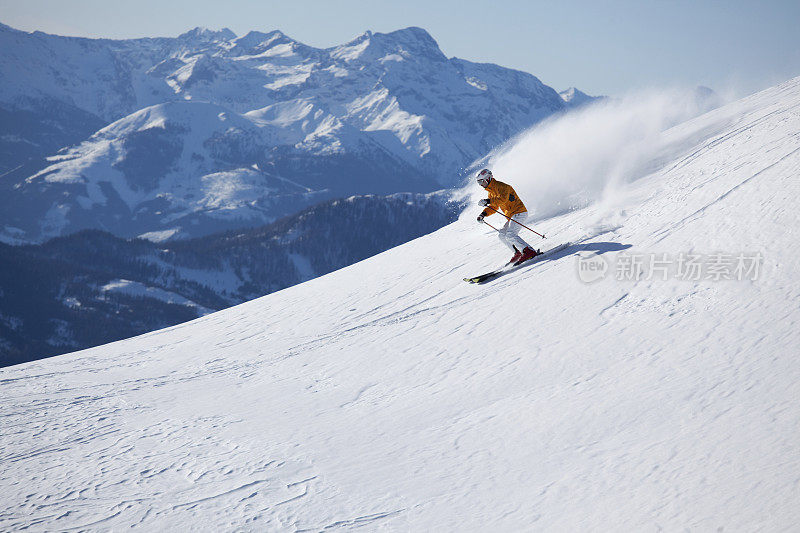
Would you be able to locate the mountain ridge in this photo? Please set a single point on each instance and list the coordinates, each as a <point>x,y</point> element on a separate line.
<point>382,113</point>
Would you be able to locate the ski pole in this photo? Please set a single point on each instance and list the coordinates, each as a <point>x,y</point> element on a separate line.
<point>497,230</point>
<point>512,220</point>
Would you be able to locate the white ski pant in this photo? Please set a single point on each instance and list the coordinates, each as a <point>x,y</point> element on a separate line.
<point>509,233</point>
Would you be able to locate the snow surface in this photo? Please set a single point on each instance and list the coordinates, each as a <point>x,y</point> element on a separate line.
<point>134,288</point>
<point>391,395</point>
<point>159,236</point>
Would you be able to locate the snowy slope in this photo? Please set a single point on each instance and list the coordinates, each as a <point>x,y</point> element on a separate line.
<point>392,395</point>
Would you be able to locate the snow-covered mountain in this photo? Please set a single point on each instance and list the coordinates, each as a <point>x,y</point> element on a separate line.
<point>176,164</point>
<point>576,98</point>
<point>392,395</point>
<point>212,131</point>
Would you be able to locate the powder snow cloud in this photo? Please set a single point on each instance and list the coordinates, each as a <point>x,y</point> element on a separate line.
<point>588,154</point>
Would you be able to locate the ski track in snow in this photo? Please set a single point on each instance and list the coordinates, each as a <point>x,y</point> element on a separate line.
<point>392,395</point>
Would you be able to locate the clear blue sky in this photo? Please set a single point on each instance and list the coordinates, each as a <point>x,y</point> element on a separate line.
<point>601,47</point>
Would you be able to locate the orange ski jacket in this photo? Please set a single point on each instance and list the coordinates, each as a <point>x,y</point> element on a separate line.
<point>504,198</point>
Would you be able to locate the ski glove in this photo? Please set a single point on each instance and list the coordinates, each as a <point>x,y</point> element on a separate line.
<point>480,218</point>
<point>484,202</point>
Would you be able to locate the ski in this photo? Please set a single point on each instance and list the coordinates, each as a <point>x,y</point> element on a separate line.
<point>509,267</point>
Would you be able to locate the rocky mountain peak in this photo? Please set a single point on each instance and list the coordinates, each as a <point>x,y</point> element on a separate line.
<point>206,35</point>
<point>405,43</point>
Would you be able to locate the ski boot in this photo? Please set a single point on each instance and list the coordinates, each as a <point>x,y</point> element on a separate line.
<point>527,253</point>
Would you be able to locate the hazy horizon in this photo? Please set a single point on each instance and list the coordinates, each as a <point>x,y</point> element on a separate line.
<point>733,47</point>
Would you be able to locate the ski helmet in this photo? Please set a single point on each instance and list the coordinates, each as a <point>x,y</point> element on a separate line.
<point>484,177</point>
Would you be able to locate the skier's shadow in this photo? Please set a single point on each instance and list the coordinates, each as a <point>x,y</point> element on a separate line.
<point>597,247</point>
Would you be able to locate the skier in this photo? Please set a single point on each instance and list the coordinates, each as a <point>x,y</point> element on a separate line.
<point>502,197</point>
